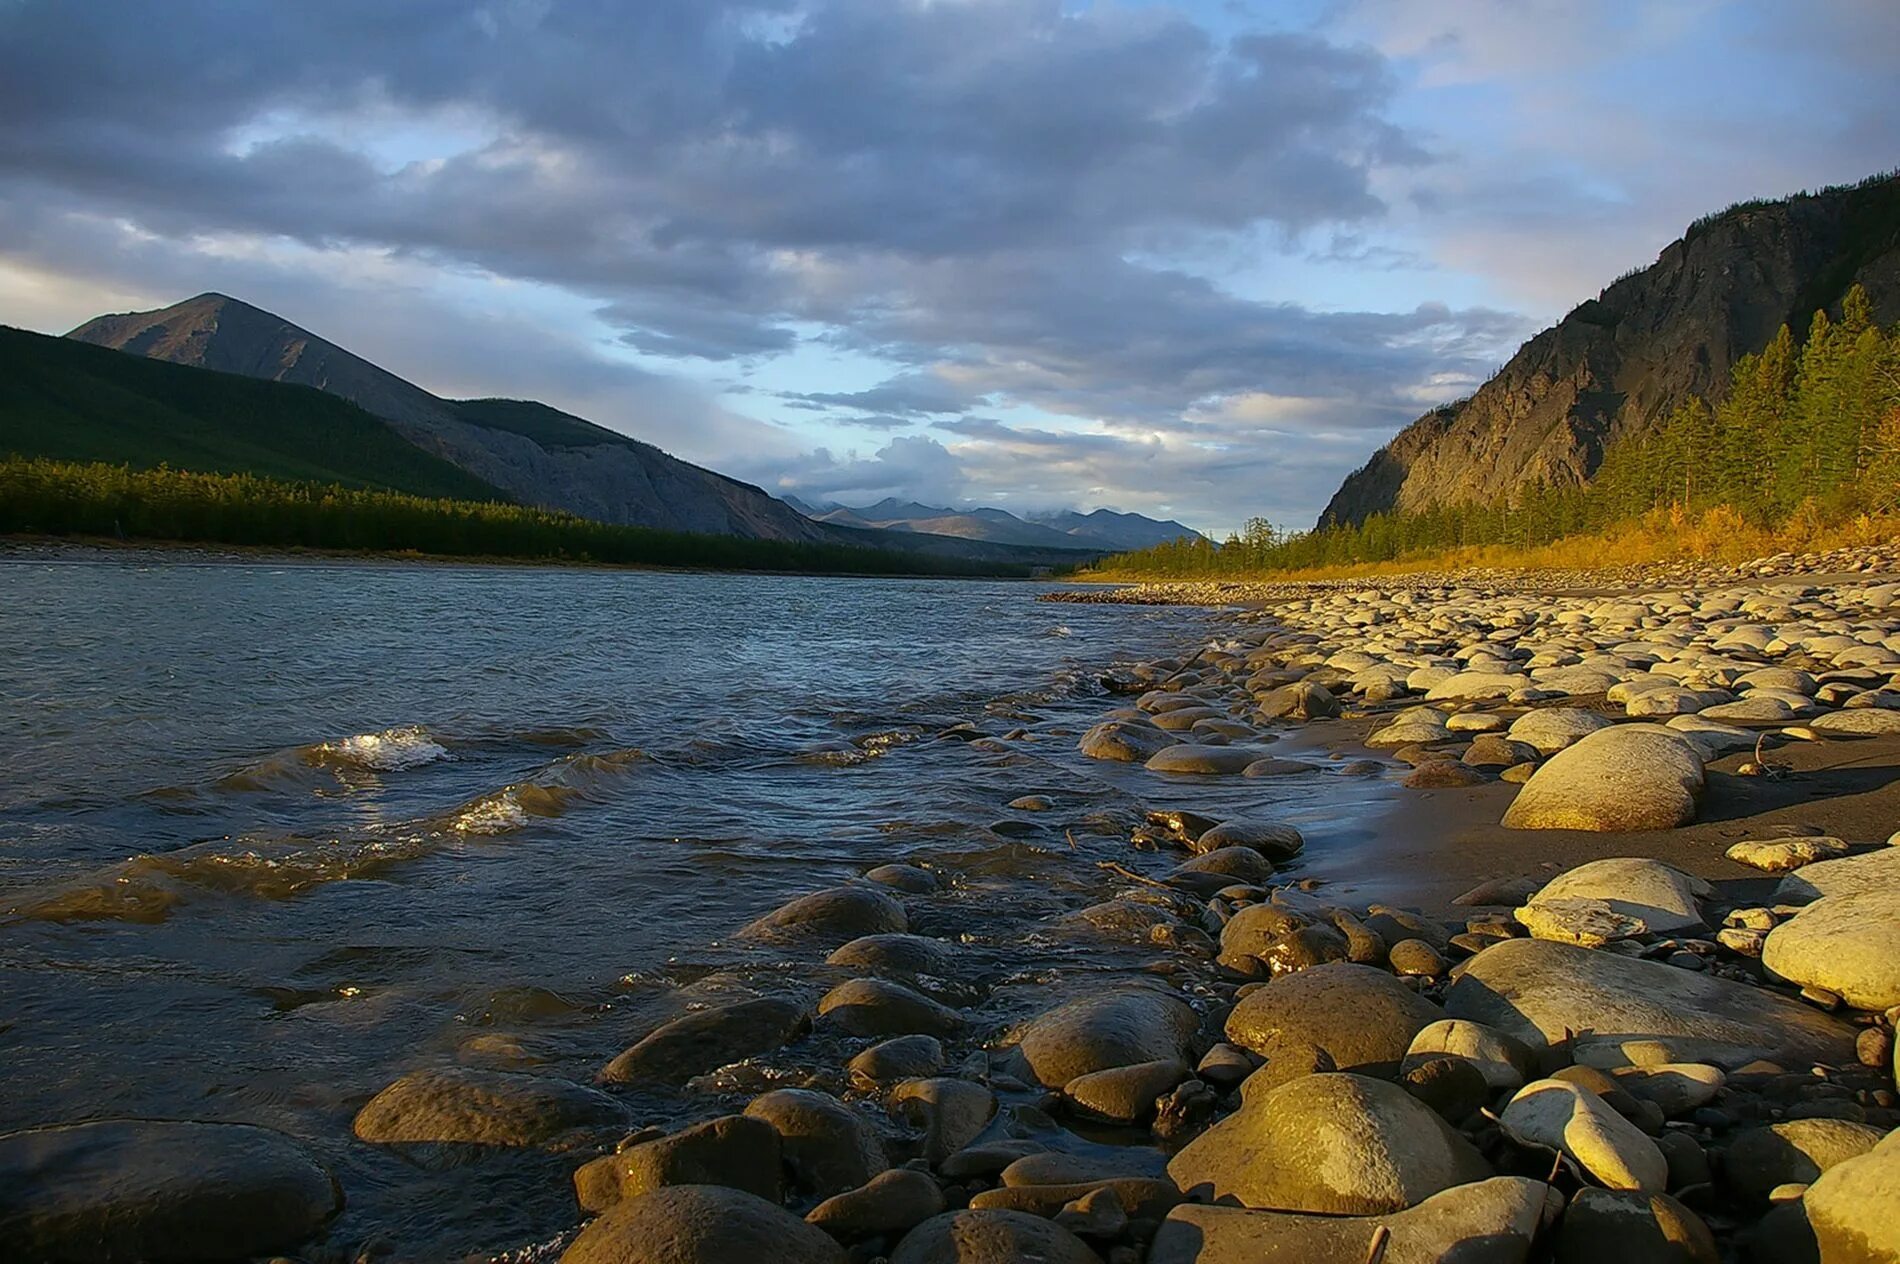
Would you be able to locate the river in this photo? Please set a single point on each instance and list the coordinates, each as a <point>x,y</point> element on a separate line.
<point>272,832</point>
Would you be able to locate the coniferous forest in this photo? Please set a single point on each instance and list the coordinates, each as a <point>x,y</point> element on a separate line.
<point>1807,434</point>
<point>41,496</point>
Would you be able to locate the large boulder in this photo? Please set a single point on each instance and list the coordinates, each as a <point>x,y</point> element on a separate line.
<point>732,1150</point>
<point>1109,1029</point>
<point>1543,993</point>
<point>828,1146</point>
<point>700,1224</point>
<point>1851,1207</point>
<point>1846,944</point>
<point>705,1040</point>
<point>1331,1143</point>
<point>1485,1222</point>
<point>836,914</point>
<point>1877,870</point>
<point>1554,728</point>
<point>1630,777</point>
<point>498,1108</point>
<point>1661,897</point>
<point>153,1190</point>
<point>1354,1017</point>
<point>991,1237</point>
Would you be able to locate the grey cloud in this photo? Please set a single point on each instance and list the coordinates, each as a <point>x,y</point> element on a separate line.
<point>909,395</point>
<point>960,189</point>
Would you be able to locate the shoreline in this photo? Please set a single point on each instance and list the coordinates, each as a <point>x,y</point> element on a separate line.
<point>18,547</point>
<point>1133,1065</point>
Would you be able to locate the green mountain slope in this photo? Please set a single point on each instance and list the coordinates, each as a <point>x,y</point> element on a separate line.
<point>70,401</point>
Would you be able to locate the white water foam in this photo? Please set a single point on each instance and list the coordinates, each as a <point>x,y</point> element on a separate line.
<point>493,814</point>
<point>392,750</point>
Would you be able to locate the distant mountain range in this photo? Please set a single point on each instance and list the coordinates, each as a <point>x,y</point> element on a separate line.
<point>1619,364</point>
<point>533,453</point>
<point>217,385</point>
<point>1101,530</point>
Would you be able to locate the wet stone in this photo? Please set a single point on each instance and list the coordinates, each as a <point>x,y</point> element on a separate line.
<point>149,1190</point>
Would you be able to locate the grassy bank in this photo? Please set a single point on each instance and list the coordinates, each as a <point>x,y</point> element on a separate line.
<point>60,498</point>
<point>1715,535</point>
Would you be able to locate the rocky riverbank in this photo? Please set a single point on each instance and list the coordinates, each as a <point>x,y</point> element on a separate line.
<point>1637,1002</point>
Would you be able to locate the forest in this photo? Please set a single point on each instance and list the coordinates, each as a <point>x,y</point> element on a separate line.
<point>47,497</point>
<point>1807,434</point>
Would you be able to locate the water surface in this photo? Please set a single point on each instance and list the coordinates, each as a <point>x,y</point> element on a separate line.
<point>272,834</point>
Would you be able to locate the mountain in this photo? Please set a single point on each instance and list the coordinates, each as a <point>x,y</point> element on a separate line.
<point>531,452</point>
<point>1098,532</point>
<point>1620,363</point>
<point>70,402</point>
<point>1115,530</point>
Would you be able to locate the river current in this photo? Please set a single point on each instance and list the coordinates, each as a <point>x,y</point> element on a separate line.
<point>272,834</point>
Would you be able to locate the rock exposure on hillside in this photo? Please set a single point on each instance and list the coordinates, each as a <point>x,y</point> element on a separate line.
<point>1620,363</point>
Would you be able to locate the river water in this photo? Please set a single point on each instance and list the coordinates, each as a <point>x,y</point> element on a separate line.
<point>272,834</point>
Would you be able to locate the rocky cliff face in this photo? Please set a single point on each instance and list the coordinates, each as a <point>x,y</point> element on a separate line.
<point>536,454</point>
<point>1621,363</point>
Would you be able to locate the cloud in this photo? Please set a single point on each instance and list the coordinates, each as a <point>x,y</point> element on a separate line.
<point>919,394</point>
<point>1027,211</point>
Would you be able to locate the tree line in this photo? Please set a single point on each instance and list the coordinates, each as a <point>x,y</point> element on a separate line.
<point>1807,430</point>
<point>41,496</point>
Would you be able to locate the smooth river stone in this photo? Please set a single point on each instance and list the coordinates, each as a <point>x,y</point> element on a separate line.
<point>1359,1018</point>
<point>1661,897</point>
<point>1536,991</point>
<point>1845,944</point>
<point>1631,777</point>
<point>1330,1143</point>
<point>705,1040</point>
<point>701,1224</point>
<point>1191,758</point>
<point>155,1190</point>
<point>1851,1207</point>
<point>1485,1222</point>
<point>836,913</point>
<point>498,1108</point>
<point>1115,1028</point>
<point>1877,870</point>
<point>1558,1115</point>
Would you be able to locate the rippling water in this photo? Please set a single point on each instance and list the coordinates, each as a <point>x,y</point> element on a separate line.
<point>272,834</point>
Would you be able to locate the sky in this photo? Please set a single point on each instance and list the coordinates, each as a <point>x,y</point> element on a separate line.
<point>1193,259</point>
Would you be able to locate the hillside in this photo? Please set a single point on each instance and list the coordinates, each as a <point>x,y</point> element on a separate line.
<point>1618,365</point>
<point>535,454</point>
<point>67,401</point>
<point>1102,530</point>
